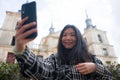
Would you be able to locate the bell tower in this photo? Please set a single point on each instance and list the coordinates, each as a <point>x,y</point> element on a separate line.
<point>7,30</point>
<point>98,43</point>
<point>51,29</point>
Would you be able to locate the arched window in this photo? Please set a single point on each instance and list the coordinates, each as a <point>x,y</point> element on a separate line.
<point>13,41</point>
<point>100,38</point>
<point>105,52</point>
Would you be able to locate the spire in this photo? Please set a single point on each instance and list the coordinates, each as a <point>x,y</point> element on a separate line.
<point>86,14</point>
<point>51,29</point>
<point>88,21</point>
<point>27,1</point>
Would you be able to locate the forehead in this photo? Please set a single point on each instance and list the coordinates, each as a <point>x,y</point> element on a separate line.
<point>69,30</point>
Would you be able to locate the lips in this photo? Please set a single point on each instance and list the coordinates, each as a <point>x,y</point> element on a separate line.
<point>68,44</point>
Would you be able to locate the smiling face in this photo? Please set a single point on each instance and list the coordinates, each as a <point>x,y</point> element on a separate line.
<point>69,38</point>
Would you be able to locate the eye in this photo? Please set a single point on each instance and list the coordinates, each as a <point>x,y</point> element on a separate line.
<point>72,34</point>
<point>64,34</point>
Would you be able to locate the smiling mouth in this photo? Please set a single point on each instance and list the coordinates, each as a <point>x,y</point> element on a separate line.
<point>68,43</point>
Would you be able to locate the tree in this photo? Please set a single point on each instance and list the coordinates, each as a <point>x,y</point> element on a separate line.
<point>115,70</point>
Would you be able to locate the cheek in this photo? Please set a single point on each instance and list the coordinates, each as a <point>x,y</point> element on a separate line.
<point>74,41</point>
<point>63,40</point>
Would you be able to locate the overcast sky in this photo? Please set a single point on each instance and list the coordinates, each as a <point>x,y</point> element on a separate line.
<point>104,14</point>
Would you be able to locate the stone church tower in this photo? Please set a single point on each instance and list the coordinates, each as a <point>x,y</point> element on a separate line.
<point>98,43</point>
<point>8,28</point>
<point>7,32</point>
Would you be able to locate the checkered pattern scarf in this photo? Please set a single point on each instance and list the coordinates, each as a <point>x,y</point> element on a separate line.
<point>48,69</point>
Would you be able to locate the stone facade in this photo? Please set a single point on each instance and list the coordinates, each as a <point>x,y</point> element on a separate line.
<point>7,32</point>
<point>98,45</point>
<point>96,39</point>
<point>8,28</point>
<point>48,44</point>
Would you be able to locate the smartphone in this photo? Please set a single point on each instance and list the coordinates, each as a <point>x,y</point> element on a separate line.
<point>29,10</point>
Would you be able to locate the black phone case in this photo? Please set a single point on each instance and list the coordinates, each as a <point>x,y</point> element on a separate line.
<point>29,9</point>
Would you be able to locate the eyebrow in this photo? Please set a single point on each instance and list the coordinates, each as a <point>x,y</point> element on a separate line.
<point>70,32</point>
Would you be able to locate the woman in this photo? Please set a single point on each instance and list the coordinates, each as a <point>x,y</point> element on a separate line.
<point>72,61</point>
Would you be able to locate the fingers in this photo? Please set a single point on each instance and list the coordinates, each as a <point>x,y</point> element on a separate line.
<point>86,68</point>
<point>27,33</point>
<point>84,72</point>
<point>82,68</point>
<point>20,30</point>
<point>25,27</point>
<point>20,23</point>
<point>21,34</point>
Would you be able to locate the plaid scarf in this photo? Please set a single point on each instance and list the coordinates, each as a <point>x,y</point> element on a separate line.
<point>49,69</point>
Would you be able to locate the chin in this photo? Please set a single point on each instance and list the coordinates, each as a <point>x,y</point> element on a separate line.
<point>68,47</point>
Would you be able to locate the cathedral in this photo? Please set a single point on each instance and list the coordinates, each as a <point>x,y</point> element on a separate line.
<point>95,38</point>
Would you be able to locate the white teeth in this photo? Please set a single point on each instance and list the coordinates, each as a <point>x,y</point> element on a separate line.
<point>69,42</point>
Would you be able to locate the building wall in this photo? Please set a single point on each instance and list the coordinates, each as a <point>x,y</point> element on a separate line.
<point>3,52</point>
<point>49,43</point>
<point>96,47</point>
<point>8,27</point>
<point>7,31</point>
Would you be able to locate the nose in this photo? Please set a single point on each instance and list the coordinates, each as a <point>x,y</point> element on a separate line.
<point>68,37</point>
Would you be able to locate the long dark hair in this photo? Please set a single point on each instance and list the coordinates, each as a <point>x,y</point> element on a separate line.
<point>79,52</point>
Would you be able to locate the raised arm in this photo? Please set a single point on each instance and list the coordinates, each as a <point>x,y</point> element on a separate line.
<point>20,36</point>
<point>35,67</point>
<point>31,65</point>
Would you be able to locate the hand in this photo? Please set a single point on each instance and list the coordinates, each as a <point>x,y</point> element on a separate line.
<point>86,68</point>
<point>20,36</point>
